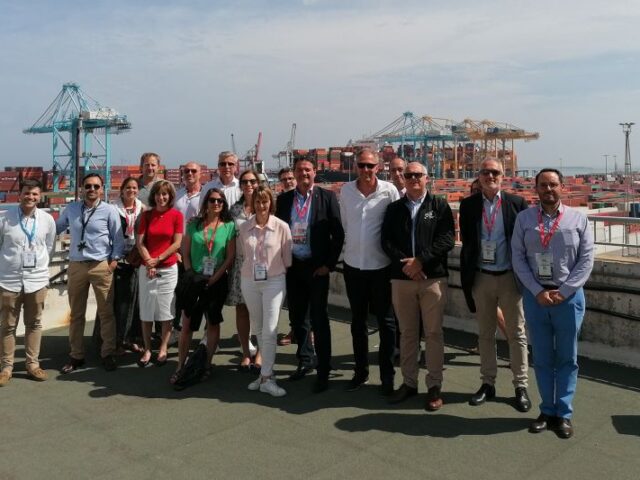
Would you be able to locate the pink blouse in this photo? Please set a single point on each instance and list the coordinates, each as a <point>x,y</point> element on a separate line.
<point>269,245</point>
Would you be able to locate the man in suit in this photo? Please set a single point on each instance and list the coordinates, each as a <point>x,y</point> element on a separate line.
<point>313,215</point>
<point>487,219</point>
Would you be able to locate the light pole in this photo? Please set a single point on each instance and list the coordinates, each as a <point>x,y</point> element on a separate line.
<point>606,157</point>
<point>626,129</point>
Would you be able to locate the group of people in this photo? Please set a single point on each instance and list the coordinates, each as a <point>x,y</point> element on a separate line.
<point>176,257</point>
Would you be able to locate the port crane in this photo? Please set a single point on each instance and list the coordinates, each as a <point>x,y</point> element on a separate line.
<point>81,132</point>
<point>287,153</point>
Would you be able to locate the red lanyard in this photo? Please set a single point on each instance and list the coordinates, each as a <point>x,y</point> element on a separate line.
<point>493,216</point>
<point>213,236</point>
<point>545,238</point>
<point>301,212</point>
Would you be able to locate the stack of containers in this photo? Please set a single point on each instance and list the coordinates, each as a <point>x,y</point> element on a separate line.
<point>322,158</point>
<point>173,175</point>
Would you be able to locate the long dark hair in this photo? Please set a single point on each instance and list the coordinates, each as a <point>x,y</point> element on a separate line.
<point>202,214</point>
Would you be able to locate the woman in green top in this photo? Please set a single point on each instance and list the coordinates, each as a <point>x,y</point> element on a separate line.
<point>208,250</point>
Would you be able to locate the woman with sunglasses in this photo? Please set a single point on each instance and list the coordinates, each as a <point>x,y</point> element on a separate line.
<point>159,237</point>
<point>266,246</point>
<point>241,211</point>
<point>125,298</point>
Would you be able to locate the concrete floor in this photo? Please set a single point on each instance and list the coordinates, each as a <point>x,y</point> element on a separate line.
<point>132,424</point>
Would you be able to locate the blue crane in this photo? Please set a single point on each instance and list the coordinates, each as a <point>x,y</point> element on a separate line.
<point>81,136</point>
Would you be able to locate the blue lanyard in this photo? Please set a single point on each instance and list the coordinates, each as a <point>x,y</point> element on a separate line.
<point>30,235</point>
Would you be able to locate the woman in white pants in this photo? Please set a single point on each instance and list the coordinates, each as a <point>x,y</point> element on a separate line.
<point>265,241</point>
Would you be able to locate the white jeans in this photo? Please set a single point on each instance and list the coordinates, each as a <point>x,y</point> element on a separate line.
<point>264,300</point>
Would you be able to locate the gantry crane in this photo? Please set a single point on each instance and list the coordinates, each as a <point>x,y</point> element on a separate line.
<point>89,126</point>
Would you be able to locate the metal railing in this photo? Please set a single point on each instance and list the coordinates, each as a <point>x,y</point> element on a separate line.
<point>616,234</point>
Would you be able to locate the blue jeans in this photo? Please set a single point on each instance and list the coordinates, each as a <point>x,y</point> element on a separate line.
<point>554,333</point>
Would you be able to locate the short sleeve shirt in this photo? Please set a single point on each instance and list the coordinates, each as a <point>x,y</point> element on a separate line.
<point>160,231</point>
<point>199,243</point>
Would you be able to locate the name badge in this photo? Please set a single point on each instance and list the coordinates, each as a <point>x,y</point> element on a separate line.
<point>28,259</point>
<point>545,265</point>
<point>208,266</point>
<point>259,272</point>
<point>299,232</point>
<point>489,251</point>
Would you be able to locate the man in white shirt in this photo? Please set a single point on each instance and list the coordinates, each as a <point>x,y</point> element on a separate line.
<point>188,197</point>
<point>27,238</point>
<point>366,273</point>
<point>226,180</point>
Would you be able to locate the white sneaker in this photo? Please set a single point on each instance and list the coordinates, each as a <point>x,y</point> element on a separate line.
<point>272,388</point>
<point>255,385</point>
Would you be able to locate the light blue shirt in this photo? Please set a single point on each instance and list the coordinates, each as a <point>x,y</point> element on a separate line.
<point>301,250</point>
<point>571,247</point>
<point>497,235</point>
<point>103,237</point>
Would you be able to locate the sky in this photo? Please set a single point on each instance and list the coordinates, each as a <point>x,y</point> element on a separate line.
<point>189,74</point>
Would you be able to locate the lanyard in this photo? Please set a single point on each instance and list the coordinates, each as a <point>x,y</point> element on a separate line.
<point>30,235</point>
<point>213,236</point>
<point>488,225</point>
<point>545,238</point>
<point>84,221</point>
<point>301,212</point>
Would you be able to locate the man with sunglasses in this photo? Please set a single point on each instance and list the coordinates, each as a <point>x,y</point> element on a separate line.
<point>226,181</point>
<point>97,243</point>
<point>188,197</point>
<point>417,234</point>
<point>149,165</point>
<point>366,267</point>
<point>396,174</point>
<point>487,219</point>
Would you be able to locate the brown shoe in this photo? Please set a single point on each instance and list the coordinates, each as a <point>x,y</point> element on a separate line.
<point>5,376</point>
<point>37,374</point>
<point>434,400</point>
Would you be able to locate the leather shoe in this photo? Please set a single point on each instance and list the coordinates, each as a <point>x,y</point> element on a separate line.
<point>486,392</point>
<point>434,400</point>
<point>542,423</point>
<point>109,363</point>
<point>563,428</point>
<point>522,402</point>
<point>320,385</point>
<point>300,373</point>
<point>402,393</point>
<point>72,365</point>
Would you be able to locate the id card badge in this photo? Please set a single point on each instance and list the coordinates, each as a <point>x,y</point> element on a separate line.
<point>129,242</point>
<point>299,232</point>
<point>259,272</point>
<point>28,259</point>
<point>545,265</point>
<point>208,266</point>
<point>489,251</point>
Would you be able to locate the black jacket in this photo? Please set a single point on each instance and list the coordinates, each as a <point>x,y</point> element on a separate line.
<point>471,235</point>
<point>326,233</point>
<point>433,239</point>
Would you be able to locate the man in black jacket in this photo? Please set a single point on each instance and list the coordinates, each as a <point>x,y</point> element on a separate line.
<point>417,234</point>
<point>313,215</point>
<point>486,225</point>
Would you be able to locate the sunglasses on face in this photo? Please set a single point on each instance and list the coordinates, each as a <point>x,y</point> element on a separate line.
<point>368,166</point>
<point>490,171</point>
<point>251,181</point>
<point>226,164</point>
<point>416,175</point>
<point>190,170</point>
<point>92,186</point>
<point>216,200</point>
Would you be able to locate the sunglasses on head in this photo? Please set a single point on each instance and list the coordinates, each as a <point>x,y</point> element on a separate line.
<point>368,166</point>
<point>190,170</point>
<point>490,171</point>
<point>226,164</point>
<point>92,186</point>
<point>409,175</point>
<point>217,200</point>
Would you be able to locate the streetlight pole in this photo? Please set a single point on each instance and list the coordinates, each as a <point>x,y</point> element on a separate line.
<point>606,157</point>
<point>626,129</point>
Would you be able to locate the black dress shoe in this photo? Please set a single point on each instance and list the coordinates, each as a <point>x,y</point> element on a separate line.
<point>486,392</point>
<point>522,402</point>
<point>320,385</point>
<point>402,393</point>
<point>542,423</point>
<point>563,428</point>
<point>357,381</point>
<point>300,373</point>
<point>109,363</point>
<point>434,399</point>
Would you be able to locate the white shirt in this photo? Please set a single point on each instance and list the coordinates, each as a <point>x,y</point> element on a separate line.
<point>362,221</point>
<point>231,192</point>
<point>188,204</point>
<point>14,241</point>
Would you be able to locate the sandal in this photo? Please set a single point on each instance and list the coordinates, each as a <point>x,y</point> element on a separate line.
<point>72,365</point>
<point>143,363</point>
<point>161,361</point>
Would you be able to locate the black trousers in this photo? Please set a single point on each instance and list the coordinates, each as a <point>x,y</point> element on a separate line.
<point>308,293</point>
<point>369,291</point>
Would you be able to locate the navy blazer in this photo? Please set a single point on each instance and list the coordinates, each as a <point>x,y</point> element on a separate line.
<point>471,235</point>
<point>326,234</point>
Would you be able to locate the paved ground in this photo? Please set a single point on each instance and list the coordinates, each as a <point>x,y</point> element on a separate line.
<point>131,424</point>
